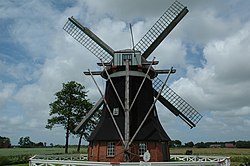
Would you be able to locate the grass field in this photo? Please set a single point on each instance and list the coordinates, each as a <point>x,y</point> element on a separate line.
<point>238,156</point>
<point>213,151</point>
<point>34,151</point>
<point>21,155</point>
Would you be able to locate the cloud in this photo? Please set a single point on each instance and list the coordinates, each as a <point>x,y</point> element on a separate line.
<point>229,57</point>
<point>55,58</point>
<point>226,70</point>
<point>6,92</point>
<point>221,87</point>
<point>119,9</point>
<point>170,53</point>
<point>41,56</point>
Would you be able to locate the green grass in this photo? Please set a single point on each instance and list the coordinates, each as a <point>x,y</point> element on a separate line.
<point>238,156</point>
<point>34,151</point>
<point>16,156</point>
<point>212,151</point>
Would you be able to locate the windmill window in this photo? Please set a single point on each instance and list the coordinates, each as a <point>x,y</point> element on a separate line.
<point>142,148</point>
<point>116,111</point>
<point>127,56</point>
<point>110,149</point>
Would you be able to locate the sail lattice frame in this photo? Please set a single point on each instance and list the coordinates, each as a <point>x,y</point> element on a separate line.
<point>186,111</point>
<point>87,42</point>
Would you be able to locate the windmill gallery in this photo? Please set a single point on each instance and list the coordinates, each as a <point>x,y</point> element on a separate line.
<point>129,124</point>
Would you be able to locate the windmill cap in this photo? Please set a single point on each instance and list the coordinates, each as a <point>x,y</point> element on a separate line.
<point>127,51</point>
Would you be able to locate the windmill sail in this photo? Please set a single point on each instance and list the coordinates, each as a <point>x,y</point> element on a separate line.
<point>161,29</point>
<point>176,104</point>
<point>89,40</point>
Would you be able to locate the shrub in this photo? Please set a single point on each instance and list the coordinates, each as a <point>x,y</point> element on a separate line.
<point>10,160</point>
<point>4,160</point>
<point>244,160</point>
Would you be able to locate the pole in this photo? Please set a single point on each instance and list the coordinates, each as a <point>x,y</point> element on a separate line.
<point>127,119</point>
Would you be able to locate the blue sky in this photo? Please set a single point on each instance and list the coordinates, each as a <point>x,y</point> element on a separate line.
<point>209,48</point>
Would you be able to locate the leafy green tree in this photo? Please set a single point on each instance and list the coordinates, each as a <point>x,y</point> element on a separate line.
<point>86,130</point>
<point>25,142</point>
<point>189,144</point>
<point>70,106</point>
<point>175,143</point>
<point>5,142</point>
<point>243,144</point>
<point>201,145</point>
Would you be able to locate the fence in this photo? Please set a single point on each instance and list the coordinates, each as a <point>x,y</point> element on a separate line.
<point>81,160</point>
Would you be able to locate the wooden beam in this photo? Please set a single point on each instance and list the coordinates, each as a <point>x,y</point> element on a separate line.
<point>165,71</point>
<point>98,104</point>
<point>93,73</point>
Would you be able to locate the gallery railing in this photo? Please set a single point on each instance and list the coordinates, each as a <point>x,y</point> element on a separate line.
<point>81,160</point>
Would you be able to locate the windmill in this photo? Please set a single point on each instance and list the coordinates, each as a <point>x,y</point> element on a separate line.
<point>129,124</point>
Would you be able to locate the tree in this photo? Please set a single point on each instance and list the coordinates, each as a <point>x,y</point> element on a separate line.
<point>67,110</point>
<point>243,144</point>
<point>39,144</point>
<point>25,142</point>
<point>5,142</point>
<point>175,143</point>
<point>84,133</point>
<point>201,145</point>
<point>189,144</point>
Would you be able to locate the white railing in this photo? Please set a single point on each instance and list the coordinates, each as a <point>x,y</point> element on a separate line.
<point>221,160</point>
<point>81,160</point>
<point>73,157</point>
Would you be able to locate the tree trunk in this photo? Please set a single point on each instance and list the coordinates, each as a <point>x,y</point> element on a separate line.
<point>79,143</point>
<point>67,141</point>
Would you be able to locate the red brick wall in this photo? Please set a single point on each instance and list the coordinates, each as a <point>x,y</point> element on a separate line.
<point>97,151</point>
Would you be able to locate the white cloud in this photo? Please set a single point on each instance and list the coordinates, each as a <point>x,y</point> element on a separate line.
<point>113,31</point>
<point>11,124</point>
<point>6,92</point>
<point>18,120</point>
<point>219,89</point>
<point>230,56</point>
<point>225,76</point>
<point>170,53</point>
<point>119,9</point>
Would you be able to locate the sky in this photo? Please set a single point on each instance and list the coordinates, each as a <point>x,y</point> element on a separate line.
<point>209,48</point>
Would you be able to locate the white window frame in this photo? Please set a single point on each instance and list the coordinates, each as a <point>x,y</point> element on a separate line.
<point>110,149</point>
<point>143,147</point>
<point>116,111</point>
